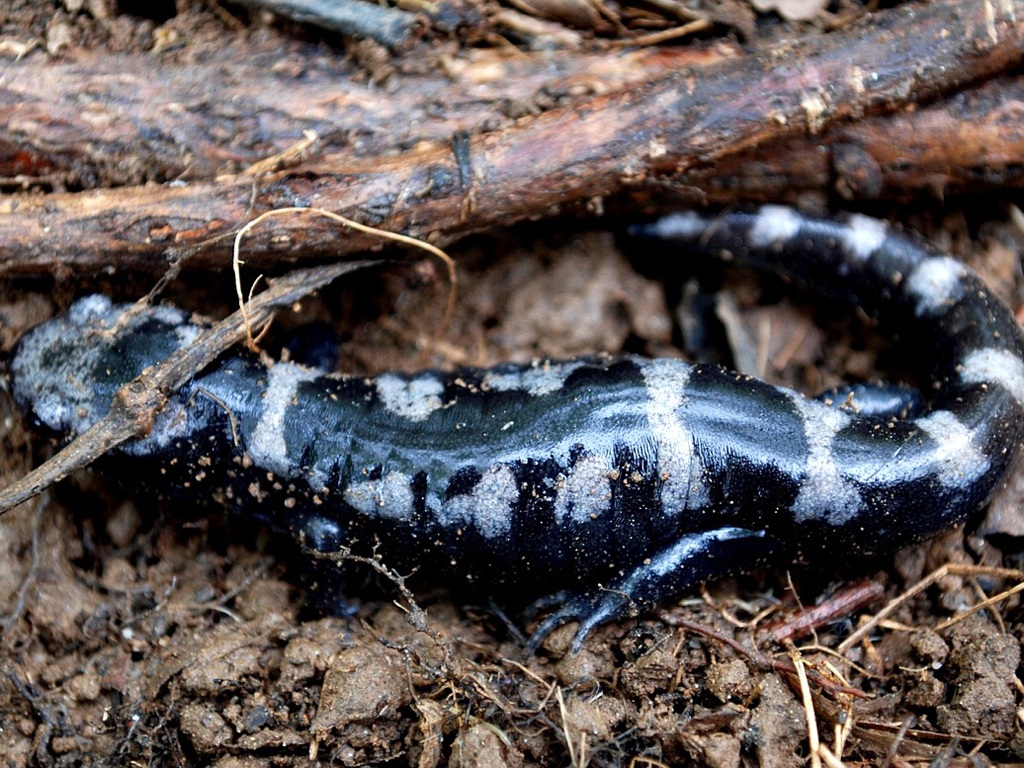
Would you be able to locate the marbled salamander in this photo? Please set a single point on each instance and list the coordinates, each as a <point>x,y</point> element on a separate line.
<point>623,480</point>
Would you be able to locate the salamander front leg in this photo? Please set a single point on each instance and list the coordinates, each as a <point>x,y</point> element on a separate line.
<point>691,559</point>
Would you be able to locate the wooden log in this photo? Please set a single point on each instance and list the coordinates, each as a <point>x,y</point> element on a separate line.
<point>614,142</point>
<point>108,120</point>
<point>969,142</point>
<point>134,132</point>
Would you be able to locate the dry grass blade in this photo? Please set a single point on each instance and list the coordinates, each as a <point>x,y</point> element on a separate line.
<point>923,584</point>
<point>1019,587</point>
<point>807,701</point>
<point>414,242</point>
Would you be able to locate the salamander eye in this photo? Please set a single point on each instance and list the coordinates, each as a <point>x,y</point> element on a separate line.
<point>42,427</point>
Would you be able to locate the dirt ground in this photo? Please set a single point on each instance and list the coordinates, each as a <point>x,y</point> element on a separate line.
<point>137,632</point>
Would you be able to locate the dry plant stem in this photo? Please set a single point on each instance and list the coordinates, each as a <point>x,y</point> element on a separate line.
<point>236,260</point>
<point>760,659</point>
<point>615,142</point>
<point>137,403</point>
<point>923,584</point>
<point>986,603</point>
<point>813,741</point>
<point>845,601</point>
<point>826,755</point>
<point>901,734</point>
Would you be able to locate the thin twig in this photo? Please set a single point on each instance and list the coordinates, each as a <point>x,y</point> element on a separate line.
<point>762,661</point>
<point>920,586</point>
<point>1019,587</point>
<point>813,741</point>
<point>136,404</point>
<point>236,260</point>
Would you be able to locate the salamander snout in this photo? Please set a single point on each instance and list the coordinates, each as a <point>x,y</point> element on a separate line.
<point>65,372</point>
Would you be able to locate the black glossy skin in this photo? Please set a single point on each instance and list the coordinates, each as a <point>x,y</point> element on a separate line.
<point>644,477</point>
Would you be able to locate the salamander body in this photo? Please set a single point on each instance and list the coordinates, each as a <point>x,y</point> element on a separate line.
<point>621,481</point>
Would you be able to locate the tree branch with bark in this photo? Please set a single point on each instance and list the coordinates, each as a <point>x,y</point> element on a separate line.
<point>669,131</point>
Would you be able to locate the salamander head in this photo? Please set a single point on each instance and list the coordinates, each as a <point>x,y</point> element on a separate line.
<point>65,372</point>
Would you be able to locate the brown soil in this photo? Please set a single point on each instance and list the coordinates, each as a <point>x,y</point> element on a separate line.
<point>134,633</point>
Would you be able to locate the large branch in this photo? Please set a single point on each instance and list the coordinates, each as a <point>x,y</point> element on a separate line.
<point>971,141</point>
<point>112,119</point>
<point>614,142</point>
